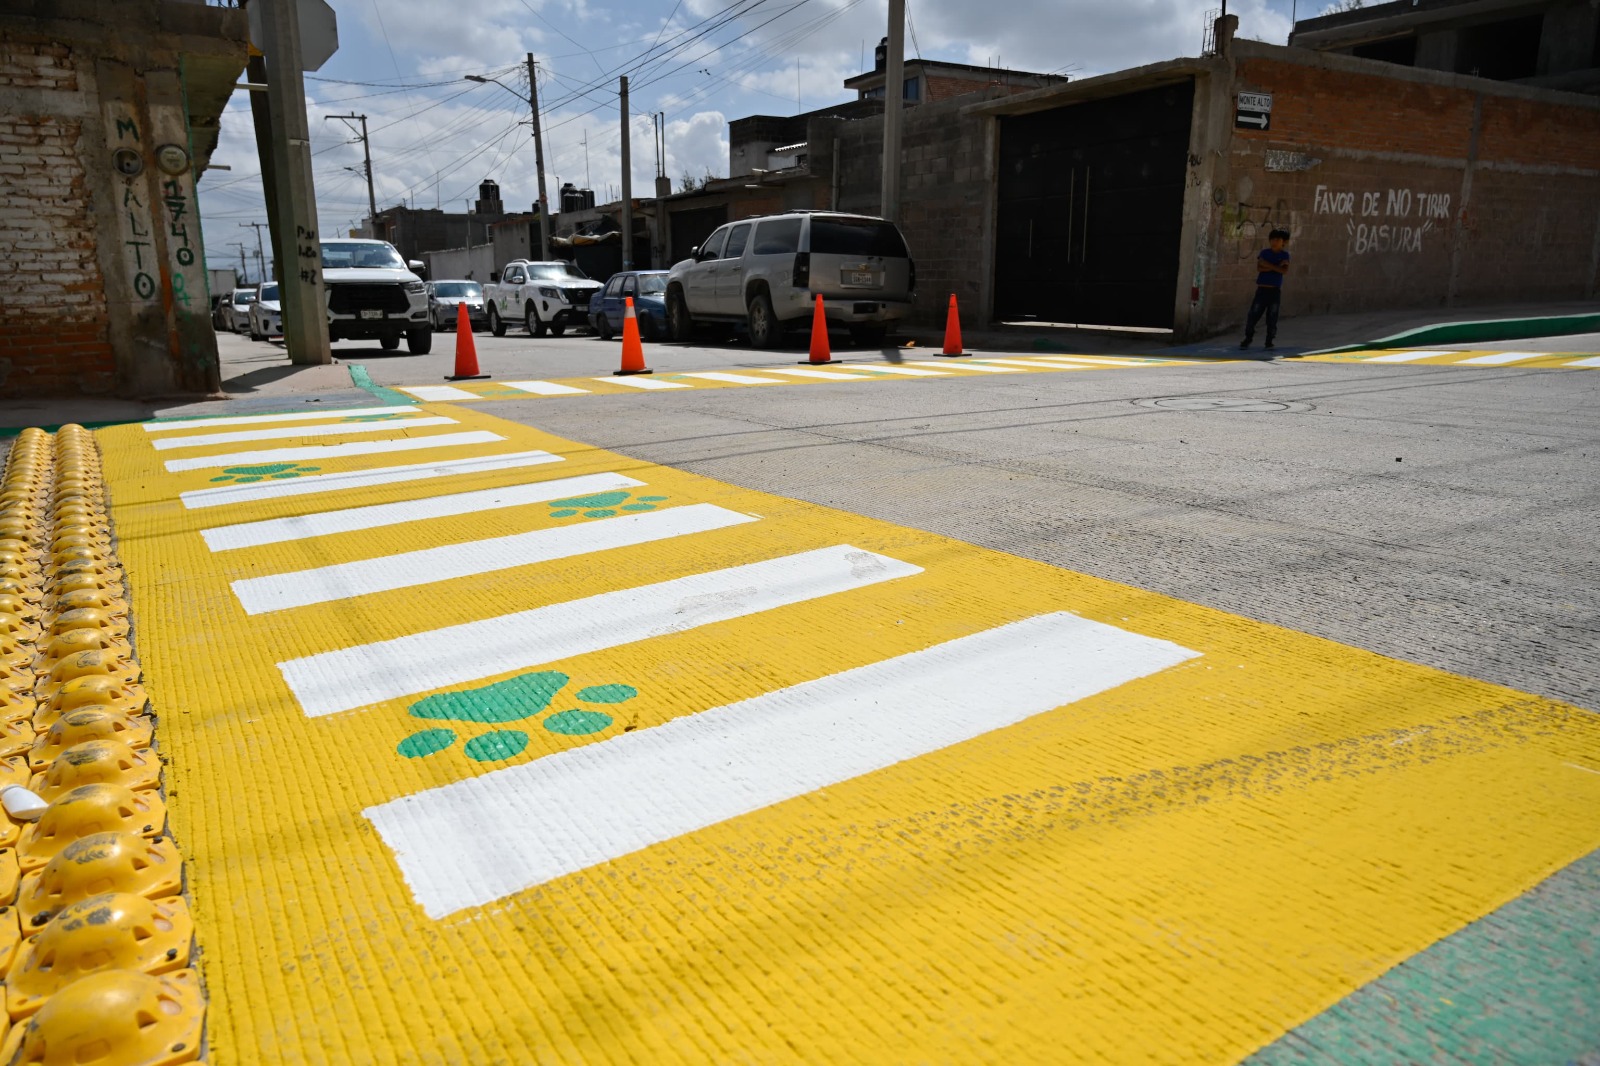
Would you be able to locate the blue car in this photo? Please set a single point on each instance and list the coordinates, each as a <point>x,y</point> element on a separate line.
<point>649,291</point>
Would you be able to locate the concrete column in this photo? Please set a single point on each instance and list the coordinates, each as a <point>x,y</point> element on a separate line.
<point>305,317</point>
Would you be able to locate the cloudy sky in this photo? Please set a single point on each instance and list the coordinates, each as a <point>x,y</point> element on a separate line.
<point>435,136</point>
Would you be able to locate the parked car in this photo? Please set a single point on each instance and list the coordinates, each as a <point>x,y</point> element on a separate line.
<point>445,296</point>
<point>546,297</point>
<point>374,294</point>
<point>649,291</point>
<point>219,301</point>
<point>266,314</point>
<point>236,310</point>
<point>765,273</point>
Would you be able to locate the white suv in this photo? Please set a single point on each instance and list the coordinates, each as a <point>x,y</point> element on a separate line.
<point>373,294</point>
<point>765,273</point>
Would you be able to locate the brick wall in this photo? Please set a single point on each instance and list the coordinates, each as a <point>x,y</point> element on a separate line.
<point>1369,171</point>
<point>53,315</point>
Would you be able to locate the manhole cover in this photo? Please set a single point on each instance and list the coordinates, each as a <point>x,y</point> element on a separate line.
<point>1231,404</point>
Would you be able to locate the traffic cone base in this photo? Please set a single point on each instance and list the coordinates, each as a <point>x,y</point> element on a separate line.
<point>632,347</point>
<point>821,354</point>
<point>466,349</point>
<point>952,330</point>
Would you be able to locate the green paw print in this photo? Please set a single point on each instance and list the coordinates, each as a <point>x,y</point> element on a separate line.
<point>513,700</point>
<point>243,475</point>
<point>603,505</point>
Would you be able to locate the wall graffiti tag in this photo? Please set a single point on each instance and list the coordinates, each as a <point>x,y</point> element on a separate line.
<point>135,219</point>
<point>1408,215</point>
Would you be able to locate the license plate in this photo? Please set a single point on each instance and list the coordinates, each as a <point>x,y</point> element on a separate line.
<point>371,314</point>
<point>861,277</point>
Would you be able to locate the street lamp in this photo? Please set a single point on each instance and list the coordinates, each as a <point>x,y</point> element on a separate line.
<point>538,145</point>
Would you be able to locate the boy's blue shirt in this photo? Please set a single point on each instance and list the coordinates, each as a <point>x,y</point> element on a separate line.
<point>1272,277</point>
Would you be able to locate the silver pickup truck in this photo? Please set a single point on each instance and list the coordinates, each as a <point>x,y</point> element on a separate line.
<point>546,297</point>
<point>374,295</point>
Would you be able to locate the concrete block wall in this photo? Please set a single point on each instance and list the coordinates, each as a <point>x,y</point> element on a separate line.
<point>53,313</point>
<point>1405,189</point>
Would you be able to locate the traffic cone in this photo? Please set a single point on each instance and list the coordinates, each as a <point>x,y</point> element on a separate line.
<point>952,330</point>
<point>466,349</point>
<point>632,349</point>
<point>820,352</point>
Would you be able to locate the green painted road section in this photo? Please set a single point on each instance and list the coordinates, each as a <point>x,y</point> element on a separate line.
<point>363,380</point>
<point>1521,986</point>
<point>1485,330</point>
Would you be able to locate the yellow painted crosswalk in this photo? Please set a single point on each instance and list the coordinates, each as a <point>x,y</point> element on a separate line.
<point>1489,358</point>
<point>499,747</point>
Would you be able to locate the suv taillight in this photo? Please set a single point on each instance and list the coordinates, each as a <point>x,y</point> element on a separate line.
<point>912,287</point>
<point>802,270</point>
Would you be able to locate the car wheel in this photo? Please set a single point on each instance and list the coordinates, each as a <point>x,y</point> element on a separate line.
<point>419,341</point>
<point>556,331</point>
<point>254,336</point>
<point>389,343</point>
<point>765,330</point>
<point>535,324</point>
<point>497,325</point>
<point>602,326</point>
<point>679,324</point>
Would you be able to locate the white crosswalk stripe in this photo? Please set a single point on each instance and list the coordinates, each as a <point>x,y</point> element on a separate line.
<point>323,452</point>
<point>297,416</point>
<point>343,429</point>
<point>309,484</point>
<point>438,392</point>
<point>545,388</point>
<point>637,382</point>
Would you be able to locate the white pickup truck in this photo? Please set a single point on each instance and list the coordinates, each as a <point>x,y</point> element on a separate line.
<point>544,297</point>
<point>373,294</point>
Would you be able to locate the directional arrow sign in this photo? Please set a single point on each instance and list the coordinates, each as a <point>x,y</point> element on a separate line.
<point>1252,119</point>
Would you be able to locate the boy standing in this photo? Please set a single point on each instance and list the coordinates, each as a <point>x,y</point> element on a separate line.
<point>1272,264</point>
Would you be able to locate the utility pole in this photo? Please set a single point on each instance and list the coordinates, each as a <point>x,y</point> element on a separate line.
<point>261,256</point>
<point>893,93</point>
<point>366,149</point>
<point>305,322</point>
<point>627,182</point>
<point>244,270</point>
<point>538,159</point>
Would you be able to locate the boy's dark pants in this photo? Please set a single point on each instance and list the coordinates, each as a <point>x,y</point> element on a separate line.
<point>1266,302</point>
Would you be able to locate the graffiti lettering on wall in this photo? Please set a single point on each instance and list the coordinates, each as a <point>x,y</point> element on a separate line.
<point>1417,208</point>
<point>310,253</point>
<point>176,199</point>
<point>1248,225</point>
<point>136,223</point>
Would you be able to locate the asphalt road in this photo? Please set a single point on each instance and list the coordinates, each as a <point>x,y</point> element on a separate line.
<point>1436,514</point>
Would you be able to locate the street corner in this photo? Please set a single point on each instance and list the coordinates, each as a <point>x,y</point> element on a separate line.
<point>549,730</point>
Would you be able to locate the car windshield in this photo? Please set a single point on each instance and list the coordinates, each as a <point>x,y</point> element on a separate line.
<point>855,236</point>
<point>269,292</point>
<point>337,255</point>
<point>244,297</point>
<point>555,271</point>
<point>458,289</point>
<point>649,283</point>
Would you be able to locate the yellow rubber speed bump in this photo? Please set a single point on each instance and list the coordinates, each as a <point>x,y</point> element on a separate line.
<point>112,931</point>
<point>16,737</point>
<point>67,555</point>
<point>10,938</point>
<point>87,599</point>
<point>13,651</point>
<point>92,691</point>
<point>85,811</point>
<point>97,662</point>
<point>81,726</point>
<point>94,762</point>
<point>53,649</point>
<point>99,863</point>
<point>116,1018</point>
<point>88,618</point>
<point>10,876</point>
<point>18,707</point>
<point>18,627</point>
<point>79,580</point>
<point>16,677</point>
<point>15,771</point>
<point>28,575</point>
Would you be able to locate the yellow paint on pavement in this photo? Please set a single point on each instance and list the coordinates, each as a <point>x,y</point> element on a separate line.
<point>1484,359</point>
<point>1178,869</point>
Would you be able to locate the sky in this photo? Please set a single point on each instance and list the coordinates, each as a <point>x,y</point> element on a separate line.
<point>435,135</point>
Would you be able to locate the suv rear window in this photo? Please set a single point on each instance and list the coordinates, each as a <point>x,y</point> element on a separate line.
<point>781,236</point>
<point>855,236</point>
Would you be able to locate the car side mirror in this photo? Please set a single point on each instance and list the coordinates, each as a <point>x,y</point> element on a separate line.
<point>694,253</point>
<point>416,267</point>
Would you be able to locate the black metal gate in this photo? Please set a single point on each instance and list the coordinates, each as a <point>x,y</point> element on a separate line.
<point>1091,209</point>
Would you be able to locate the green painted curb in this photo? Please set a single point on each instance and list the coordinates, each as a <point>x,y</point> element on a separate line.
<point>362,380</point>
<point>1489,329</point>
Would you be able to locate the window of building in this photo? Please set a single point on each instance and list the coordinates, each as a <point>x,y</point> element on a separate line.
<point>1401,50</point>
<point>1503,50</point>
<point>913,89</point>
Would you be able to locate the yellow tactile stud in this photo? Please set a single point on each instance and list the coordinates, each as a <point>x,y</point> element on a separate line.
<point>93,690</point>
<point>117,1018</point>
<point>79,727</point>
<point>101,862</point>
<point>85,811</point>
<point>95,761</point>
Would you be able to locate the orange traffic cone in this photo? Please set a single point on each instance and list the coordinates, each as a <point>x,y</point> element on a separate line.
<point>820,352</point>
<point>466,349</point>
<point>632,349</point>
<point>952,330</point>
